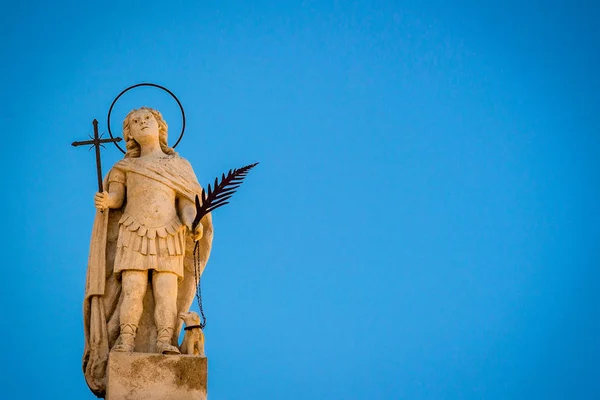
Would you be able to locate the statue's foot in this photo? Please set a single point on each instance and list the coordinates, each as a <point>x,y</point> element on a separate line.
<point>126,341</point>
<point>123,348</point>
<point>166,348</point>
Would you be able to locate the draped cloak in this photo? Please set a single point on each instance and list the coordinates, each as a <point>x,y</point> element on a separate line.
<point>103,286</point>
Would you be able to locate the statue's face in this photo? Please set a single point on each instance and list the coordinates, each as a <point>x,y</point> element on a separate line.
<point>143,126</point>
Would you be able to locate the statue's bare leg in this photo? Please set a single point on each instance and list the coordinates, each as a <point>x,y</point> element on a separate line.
<point>134,285</point>
<point>164,285</point>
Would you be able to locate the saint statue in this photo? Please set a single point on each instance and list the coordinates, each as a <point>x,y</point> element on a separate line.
<point>141,274</point>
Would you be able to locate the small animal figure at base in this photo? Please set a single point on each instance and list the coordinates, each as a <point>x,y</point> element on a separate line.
<point>193,339</point>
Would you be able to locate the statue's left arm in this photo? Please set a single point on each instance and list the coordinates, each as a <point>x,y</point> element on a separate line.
<point>185,204</point>
<point>187,212</point>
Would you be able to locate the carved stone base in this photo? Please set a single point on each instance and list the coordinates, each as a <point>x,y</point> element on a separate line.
<point>143,376</point>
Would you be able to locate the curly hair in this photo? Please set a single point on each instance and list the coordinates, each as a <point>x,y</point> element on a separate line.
<point>133,148</point>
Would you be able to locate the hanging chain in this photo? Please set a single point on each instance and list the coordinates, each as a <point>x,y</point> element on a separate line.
<point>198,287</point>
<point>209,201</point>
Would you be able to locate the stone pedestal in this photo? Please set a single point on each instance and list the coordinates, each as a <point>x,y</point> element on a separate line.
<point>143,376</point>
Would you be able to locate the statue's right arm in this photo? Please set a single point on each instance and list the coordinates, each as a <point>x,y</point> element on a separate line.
<point>113,198</point>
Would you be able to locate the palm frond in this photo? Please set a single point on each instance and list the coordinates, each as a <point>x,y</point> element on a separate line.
<point>217,195</point>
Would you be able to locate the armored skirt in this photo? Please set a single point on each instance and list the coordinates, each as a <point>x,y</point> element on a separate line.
<point>142,248</point>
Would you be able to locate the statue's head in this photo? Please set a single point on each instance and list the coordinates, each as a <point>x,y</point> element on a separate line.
<point>141,123</point>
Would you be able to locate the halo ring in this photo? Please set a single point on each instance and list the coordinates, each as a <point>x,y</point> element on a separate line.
<point>152,85</point>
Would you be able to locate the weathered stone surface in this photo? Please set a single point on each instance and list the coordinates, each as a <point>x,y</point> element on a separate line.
<point>143,270</point>
<point>143,376</point>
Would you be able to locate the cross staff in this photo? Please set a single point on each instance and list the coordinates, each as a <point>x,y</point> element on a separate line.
<point>97,142</point>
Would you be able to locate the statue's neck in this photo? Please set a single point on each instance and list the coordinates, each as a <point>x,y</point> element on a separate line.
<point>151,150</point>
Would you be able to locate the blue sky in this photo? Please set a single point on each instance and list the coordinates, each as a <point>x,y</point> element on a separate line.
<point>423,224</point>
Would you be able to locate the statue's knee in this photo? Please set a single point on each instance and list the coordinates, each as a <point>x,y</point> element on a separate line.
<point>164,282</point>
<point>134,283</point>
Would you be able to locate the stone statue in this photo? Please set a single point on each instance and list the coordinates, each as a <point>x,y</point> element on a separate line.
<point>141,273</point>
